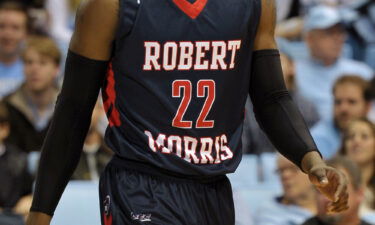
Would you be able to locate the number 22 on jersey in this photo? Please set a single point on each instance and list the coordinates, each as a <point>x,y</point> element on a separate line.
<point>184,88</point>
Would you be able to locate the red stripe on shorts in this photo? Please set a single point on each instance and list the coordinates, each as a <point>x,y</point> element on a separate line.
<point>107,219</point>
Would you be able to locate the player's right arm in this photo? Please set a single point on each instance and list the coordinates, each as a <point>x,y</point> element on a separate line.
<point>86,65</point>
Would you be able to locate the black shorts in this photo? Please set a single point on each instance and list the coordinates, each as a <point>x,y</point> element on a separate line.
<point>141,194</point>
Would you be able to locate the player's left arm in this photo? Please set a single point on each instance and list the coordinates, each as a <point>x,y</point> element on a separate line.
<point>279,117</point>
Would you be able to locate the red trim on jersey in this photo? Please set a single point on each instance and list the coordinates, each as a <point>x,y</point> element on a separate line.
<point>109,98</point>
<point>107,219</point>
<point>192,10</point>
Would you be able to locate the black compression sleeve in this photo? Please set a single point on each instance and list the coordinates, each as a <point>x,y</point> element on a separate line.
<point>274,109</point>
<point>63,144</point>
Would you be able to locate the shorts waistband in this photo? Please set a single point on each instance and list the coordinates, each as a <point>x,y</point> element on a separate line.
<point>146,168</point>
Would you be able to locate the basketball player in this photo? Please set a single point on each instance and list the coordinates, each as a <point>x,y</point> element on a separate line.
<point>178,73</point>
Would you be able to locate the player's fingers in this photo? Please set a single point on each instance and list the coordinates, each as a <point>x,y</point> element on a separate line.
<point>340,205</point>
<point>343,199</point>
<point>319,177</point>
<point>341,189</point>
<point>338,209</point>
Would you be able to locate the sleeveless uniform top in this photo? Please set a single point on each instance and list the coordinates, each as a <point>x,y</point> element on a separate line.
<point>177,83</point>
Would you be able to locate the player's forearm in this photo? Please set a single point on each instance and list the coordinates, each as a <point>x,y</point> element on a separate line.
<point>62,147</point>
<point>60,156</point>
<point>274,109</point>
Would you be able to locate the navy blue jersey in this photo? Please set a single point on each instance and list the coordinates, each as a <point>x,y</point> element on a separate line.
<point>179,77</point>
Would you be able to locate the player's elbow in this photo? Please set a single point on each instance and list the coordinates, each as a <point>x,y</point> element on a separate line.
<point>267,99</point>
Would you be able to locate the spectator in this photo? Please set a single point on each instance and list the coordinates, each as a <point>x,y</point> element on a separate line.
<point>11,219</point>
<point>291,14</point>
<point>297,202</point>
<point>253,138</point>
<point>16,182</point>
<point>13,30</point>
<point>287,9</point>
<point>95,155</point>
<point>316,75</point>
<point>356,196</point>
<point>31,106</point>
<point>61,27</point>
<point>361,27</point>
<point>291,9</point>
<point>359,145</point>
<point>371,95</point>
<point>351,102</point>
<point>290,29</point>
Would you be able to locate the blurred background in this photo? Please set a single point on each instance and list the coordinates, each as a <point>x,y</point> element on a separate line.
<point>328,59</point>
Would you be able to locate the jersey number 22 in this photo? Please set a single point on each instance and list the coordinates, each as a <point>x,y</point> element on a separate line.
<point>205,88</point>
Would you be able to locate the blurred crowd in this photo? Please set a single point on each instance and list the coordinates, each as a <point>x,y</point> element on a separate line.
<point>328,59</point>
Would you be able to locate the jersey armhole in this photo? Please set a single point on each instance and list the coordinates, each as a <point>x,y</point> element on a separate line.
<point>128,10</point>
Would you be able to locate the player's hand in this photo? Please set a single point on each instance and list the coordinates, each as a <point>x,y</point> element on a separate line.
<point>333,184</point>
<point>329,181</point>
<point>38,218</point>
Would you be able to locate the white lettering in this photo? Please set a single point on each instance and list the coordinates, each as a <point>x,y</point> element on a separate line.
<point>228,154</point>
<point>186,58</point>
<point>178,145</point>
<point>187,55</point>
<point>151,59</point>
<point>169,60</point>
<point>218,57</point>
<point>206,150</point>
<point>190,149</point>
<point>201,47</point>
<point>234,46</point>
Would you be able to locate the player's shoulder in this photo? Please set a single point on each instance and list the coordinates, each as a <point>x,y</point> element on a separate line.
<point>88,7</point>
<point>95,28</point>
<point>107,3</point>
<point>268,10</point>
<point>267,3</point>
<point>266,28</point>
